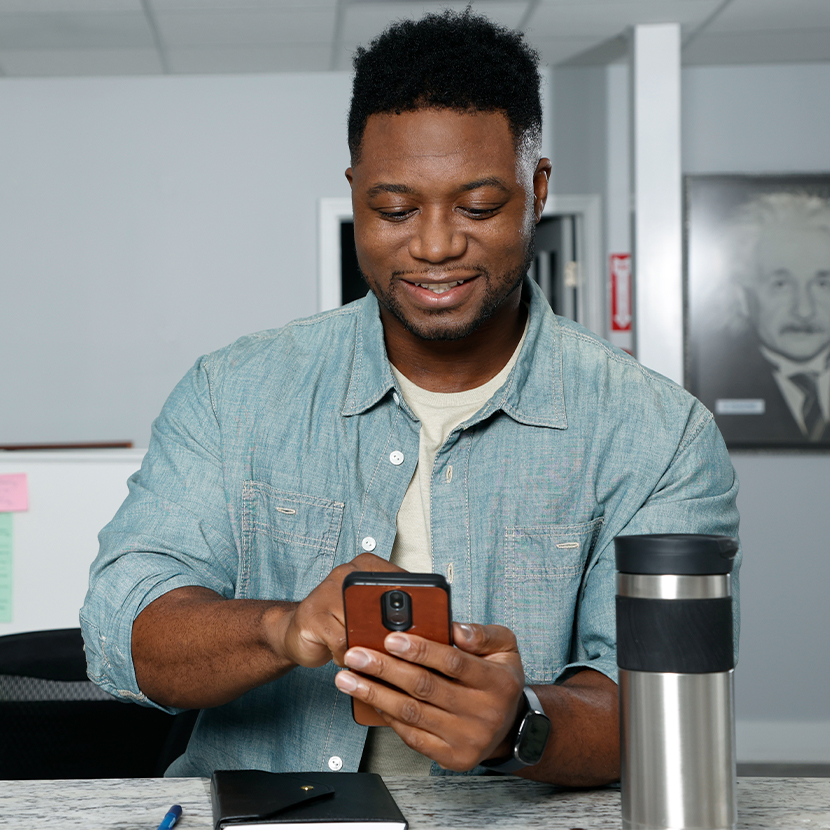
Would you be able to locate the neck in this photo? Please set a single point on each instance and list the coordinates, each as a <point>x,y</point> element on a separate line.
<point>455,365</point>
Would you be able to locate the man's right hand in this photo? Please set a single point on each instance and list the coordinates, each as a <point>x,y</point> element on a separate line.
<point>313,631</point>
<point>193,649</point>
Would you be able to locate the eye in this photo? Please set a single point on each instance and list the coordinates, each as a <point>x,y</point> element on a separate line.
<point>779,281</point>
<point>479,212</point>
<point>395,215</point>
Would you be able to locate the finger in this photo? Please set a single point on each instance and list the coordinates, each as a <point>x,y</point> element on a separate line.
<point>412,679</point>
<point>484,640</point>
<point>390,702</point>
<point>439,657</point>
<point>495,679</point>
<point>452,742</point>
<point>470,663</point>
<point>371,562</point>
<point>460,756</point>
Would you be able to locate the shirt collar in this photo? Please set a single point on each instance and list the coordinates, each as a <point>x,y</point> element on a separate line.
<point>532,395</point>
<point>787,367</point>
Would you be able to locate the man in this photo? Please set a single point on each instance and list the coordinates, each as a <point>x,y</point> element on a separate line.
<point>449,421</point>
<point>773,383</point>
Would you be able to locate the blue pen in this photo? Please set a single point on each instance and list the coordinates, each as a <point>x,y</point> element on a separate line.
<point>172,816</point>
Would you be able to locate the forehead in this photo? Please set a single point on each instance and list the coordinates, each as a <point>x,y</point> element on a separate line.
<point>436,141</point>
<point>801,251</point>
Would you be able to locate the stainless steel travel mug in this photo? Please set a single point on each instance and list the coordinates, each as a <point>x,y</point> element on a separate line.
<point>676,656</point>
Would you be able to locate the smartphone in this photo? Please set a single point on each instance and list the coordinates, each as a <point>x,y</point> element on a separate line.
<point>377,602</point>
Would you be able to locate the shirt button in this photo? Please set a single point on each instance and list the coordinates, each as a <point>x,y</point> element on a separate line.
<point>396,399</point>
<point>396,457</point>
<point>369,544</point>
<point>335,763</point>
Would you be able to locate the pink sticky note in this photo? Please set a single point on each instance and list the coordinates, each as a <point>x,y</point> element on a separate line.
<point>14,492</point>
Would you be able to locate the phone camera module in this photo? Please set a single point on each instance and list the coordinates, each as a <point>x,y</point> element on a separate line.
<point>396,610</point>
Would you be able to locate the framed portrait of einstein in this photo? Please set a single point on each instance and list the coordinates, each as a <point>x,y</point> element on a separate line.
<point>757,294</point>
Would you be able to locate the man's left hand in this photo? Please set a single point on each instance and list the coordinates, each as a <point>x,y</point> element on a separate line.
<point>457,706</point>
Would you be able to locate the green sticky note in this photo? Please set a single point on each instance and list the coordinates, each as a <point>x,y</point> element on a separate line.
<point>5,567</point>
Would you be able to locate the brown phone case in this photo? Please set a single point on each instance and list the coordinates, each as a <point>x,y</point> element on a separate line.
<point>362,596</point>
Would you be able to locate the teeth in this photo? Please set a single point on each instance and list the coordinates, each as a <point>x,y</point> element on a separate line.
<point>440,287</point>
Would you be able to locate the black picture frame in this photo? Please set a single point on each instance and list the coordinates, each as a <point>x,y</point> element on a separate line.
<point>757,306</point>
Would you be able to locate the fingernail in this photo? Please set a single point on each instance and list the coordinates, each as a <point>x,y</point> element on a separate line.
<point>357,659</point>
<point>345,681</point>
<point>466,630</point>
<point>396,642</point>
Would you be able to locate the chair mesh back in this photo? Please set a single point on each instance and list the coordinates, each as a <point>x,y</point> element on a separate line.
<point>36,688</point>
<point>55,723</point>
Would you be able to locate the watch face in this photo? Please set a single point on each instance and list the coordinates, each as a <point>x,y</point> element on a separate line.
<point>533,737</point>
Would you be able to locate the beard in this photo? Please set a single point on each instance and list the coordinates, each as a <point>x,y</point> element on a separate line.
<point>435,329</point>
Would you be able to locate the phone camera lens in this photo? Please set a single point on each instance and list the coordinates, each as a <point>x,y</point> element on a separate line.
<point>396,600</point>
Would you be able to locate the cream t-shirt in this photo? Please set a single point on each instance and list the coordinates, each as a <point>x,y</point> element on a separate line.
<point>439,413</point>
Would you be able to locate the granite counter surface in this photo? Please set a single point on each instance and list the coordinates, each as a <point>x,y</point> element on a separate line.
<point>428,803</point>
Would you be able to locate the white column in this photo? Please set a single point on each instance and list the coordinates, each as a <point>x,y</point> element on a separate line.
<point>657,197</point>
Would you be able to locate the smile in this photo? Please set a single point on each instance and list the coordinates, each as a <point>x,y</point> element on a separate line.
<point>439,287</point>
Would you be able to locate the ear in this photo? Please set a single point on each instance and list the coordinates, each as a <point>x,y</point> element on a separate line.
<point>540,187</point>
<point>349,176</point>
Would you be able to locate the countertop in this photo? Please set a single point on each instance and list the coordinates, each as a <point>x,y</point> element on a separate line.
<point>467,803</point>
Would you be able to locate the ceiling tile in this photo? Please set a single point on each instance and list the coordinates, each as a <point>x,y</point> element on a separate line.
<point>68,6</point>
<point>713,48</point>
<point>222,60</point>
<point>765,15</point>
<point>85,30</point>
<point>603,19</point>
<point>241,28</point>
<point>363,21</point>
<point>79,62</point>
<point>237,5</point>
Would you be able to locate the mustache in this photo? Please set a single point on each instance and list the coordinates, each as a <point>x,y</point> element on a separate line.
<point>449,269</point>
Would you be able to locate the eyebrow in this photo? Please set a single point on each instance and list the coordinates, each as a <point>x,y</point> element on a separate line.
<point>487,181</point>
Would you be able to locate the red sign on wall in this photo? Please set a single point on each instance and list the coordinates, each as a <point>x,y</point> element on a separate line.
<point>621,292</point>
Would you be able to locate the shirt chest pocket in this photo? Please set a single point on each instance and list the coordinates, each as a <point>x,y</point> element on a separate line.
<point>544,568</point>
<point>288,542</point>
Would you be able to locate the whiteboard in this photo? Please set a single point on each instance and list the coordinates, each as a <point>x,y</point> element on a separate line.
<point>72,495</point>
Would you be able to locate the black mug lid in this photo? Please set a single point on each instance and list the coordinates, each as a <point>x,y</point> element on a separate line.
<point>675,553</point>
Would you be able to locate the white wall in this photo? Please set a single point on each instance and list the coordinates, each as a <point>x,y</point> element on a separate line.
<point>756,119</point>
<point>146,221</point>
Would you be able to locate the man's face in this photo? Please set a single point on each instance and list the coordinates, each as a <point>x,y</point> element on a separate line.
<point>444,216</point>
<point>790,306</point>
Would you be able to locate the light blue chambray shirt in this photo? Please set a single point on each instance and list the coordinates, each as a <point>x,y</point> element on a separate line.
<point>270,464</point>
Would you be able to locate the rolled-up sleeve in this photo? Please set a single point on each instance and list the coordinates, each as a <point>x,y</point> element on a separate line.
<point>173,530</point>
<point>696,494</point>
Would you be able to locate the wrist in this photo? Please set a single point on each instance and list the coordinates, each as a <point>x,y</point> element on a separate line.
<point>528,738</point>
<point>276,629</point>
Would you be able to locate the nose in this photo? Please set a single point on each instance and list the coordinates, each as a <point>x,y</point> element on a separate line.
<point>436,239</point>
<point>803,304</point>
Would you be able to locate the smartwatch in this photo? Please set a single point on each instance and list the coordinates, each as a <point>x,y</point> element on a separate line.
<point>531,739</point>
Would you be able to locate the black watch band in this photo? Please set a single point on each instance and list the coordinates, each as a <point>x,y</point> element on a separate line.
<point>531,737</point>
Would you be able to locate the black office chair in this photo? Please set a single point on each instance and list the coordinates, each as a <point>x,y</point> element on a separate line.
<point>55,723</point>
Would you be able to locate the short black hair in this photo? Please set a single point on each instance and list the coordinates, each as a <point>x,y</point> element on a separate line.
<point>453,60</point>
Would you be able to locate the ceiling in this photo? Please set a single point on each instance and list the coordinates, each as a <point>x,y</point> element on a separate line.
<point>154,37</point>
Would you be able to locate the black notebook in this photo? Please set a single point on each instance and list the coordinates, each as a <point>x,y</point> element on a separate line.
<point>303,800</point>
